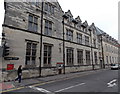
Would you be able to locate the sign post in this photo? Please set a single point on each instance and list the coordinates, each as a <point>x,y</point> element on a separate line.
<point>59,66</point>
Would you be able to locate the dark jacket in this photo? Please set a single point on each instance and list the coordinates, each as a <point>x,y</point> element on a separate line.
<point>19,71</point>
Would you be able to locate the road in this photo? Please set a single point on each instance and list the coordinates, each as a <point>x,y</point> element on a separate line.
<point>99,81</point>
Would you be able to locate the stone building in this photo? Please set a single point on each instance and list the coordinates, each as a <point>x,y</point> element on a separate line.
<point>109,49</point>
<point>47,41</point>
<point>80,42</point>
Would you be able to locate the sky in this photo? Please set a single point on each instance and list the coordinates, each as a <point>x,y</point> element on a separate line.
<point>103,13</point>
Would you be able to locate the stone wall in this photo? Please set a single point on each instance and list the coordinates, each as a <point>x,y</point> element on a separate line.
<point>30,73</point>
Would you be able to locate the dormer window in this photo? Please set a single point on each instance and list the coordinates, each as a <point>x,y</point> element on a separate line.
<point>36,3</point>
<point>93,31</point>
<point>94,42</point>
<point>69,19</point>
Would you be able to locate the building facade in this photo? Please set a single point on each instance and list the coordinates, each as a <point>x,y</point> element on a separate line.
<point>110,48</point>
<point>47,41</point>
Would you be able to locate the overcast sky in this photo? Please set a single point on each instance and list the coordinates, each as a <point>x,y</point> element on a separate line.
<point>104,13</point>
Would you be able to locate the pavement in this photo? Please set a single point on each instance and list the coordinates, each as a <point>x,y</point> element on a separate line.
<point>26,82</point>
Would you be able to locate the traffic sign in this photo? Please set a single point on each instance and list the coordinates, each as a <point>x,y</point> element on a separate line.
<point>11,58</point>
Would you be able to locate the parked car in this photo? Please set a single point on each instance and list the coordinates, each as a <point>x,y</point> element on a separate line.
<point>115,66</point>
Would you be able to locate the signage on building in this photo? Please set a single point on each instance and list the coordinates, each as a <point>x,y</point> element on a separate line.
<point>10,66</point>
<point>11,58</point>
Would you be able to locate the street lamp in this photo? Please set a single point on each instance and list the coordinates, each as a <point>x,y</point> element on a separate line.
<point>40,58</point>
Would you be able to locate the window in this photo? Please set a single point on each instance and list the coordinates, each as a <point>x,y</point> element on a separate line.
<point>110,59</point>
<point>113,59</point>
<point>70,56</point>
<point>82,28</point>
<point>35,2</point>
<point>48,28</point>
<point>95,56</point>
<point>79,38</point>
<point>106,47</point>
<point>88,57</point>
<point>49,8</point>
<point>30,53</point>
<point>47,55</point>
<point>86,40</point>
<point>93,31</point>
<point>33,23</point>
<point>94,42</point>
<point>69,35</point>
<point>80,57</point>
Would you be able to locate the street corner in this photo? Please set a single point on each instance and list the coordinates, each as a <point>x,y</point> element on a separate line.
<point>6,86</point>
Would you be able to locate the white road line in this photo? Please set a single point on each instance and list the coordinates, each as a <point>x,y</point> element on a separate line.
<point>40,89</point>
<point>69,87</point>
<point>112,83</point>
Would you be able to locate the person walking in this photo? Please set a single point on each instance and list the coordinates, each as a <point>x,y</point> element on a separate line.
<point>19,73</point>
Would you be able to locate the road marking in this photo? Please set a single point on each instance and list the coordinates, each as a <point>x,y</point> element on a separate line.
<point>70,87</point>
<point>112,83</point>
<point>62,79</point>
<point>11,89</point>
<point>40,89</point>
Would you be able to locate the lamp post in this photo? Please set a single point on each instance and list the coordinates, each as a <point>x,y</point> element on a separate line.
<point>40,58</point>
<point>91,50</point>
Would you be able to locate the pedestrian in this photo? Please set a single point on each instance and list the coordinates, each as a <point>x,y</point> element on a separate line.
<point>19,74</point>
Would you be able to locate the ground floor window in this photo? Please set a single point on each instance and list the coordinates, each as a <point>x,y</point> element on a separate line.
<point>107,59</point>
<point>70,56</point>
<point>80,57</point>
<point>31,49</point>
<point>95,56</point>
<point>47,55</point>
<point>88,58</point>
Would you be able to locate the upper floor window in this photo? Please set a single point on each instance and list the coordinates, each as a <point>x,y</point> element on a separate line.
<point>86,40</point>
<point>69,35</point>
<point>79,38</point>
<point>106,47</point>
<point>94,42</point>
<point>35,3</point>
<point>48,28</point>
<point>93,31</point>
<point>32,23</point>
<point>49,8</point>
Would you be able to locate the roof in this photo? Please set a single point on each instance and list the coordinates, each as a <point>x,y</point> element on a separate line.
<point>99,31</point>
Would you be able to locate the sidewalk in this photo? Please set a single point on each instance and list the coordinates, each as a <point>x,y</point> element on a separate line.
<point>27,82</point>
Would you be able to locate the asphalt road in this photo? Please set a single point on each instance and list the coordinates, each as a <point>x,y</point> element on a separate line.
<point>99,81</point>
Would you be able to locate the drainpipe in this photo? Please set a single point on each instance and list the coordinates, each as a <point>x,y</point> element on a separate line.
<point>102,52</point>
<point>40,58</point>
<point>91,51</point>
<point>63,48</point>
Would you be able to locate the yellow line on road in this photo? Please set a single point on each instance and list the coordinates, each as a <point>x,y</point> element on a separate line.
<point>11,90</point>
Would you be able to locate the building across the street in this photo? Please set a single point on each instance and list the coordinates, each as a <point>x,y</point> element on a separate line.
<point>45,40</point>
